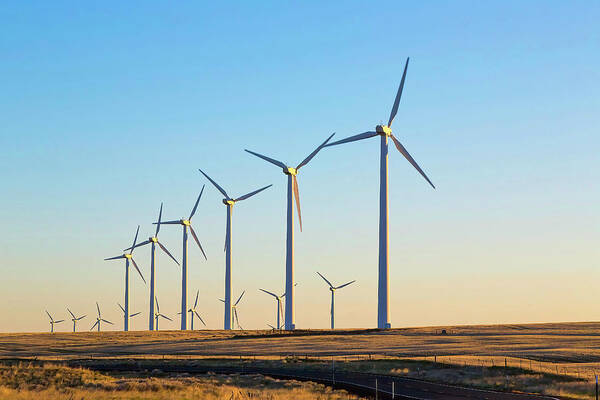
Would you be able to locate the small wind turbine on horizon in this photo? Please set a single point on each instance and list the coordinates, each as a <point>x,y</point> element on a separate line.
<point>292,187</point>
<point>234,310</point>
<point>154,241</point>
<point>193,312</point>
<point>332,289</point>
<point>228,201</point>
<point>186,223</point>
<point>279,307</point>
<point>385,132</point>
<point>158,315</point>
<point>52,321</point>
<point>128,257</point>
<point>130,315</point>
<point>99,319</point>
<point>75,319</point>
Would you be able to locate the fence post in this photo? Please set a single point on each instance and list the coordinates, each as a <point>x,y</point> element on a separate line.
<point>596,388</point>
<point>333,371</point>
<point>376,391</point>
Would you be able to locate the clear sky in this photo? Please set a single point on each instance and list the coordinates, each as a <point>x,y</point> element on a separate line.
<point>109,108</point>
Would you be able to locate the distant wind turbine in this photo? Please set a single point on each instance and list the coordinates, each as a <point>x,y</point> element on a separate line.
<point>229,202</point>
<point>193,312</point>
<point>279,307</point>
<point>186,223</point>
<point>332,289</point>
<point>292,186</point>
<point>52,322</point>
<point>130,315</point>
<point>234,310</point>
<point>154,241</point>
<point>99,319</point>
<point>385,132</point>
<point>158,314</point>
<point>75,319</point>
<point>128,257</point>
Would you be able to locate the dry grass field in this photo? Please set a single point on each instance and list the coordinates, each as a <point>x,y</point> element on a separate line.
<point>567,353</point>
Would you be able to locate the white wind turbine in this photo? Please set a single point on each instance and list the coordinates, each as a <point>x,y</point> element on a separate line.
<point>332,289</point>
<point>158,315</point>
<point>229,202</point>
<point>385,132</point>
<point>234,310</point>
<point>75,319</point>
<point>154,241</point>
<point>278,300</point>
<point>292,186</point>
<point>193,312</point>
<point>52,321</point>
<point>130,315</point>
<point>186,223</point>
<point>99,319</point>
<point>128,257</point>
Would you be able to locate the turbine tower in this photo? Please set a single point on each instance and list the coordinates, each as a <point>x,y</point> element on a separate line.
<point>186,223</point>
<point>193,311</point>
<point>99,319</point>
<point>128,257</point>
<point>158,314</point>
<point>154,241</point>
<point>385,132</point>
<point>52,322</point>
<point>75,319</point>
<point>292,186</point>
<point>332,289</point>
<point>130,315</point>
<point>229,202</point>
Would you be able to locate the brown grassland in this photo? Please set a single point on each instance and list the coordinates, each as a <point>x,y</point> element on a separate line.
<point>556,359</point>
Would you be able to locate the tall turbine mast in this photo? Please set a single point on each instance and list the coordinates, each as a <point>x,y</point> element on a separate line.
<point>229,202</point>
<point>332,289</point>
<point>292,187</point>
<point>385,132</point>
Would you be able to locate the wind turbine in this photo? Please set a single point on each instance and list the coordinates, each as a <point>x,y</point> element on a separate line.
<point>193,311</point>
<point>158,314</point>
<point>186,223</point>
<point>130,315</point>
<point>99,319</point>
<point>234,310</point>
<point>229,202</point>
<point>385,132</point>
<point>154,241</point>
<point>332,289</point>
<point>279,307</point>
<point>128,257</point>
<point>52,322</point>
<point>75,319</point>
<point>292,186</point>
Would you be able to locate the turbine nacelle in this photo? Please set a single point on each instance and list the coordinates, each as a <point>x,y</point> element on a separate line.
<point>153,239</point>
<point>228,202</point>
<point>185,222</point>
<point>290,171</point>
<point>383,130</point>
<point>127,255</point>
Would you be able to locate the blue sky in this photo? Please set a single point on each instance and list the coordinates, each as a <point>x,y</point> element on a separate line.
<point>110,108</point>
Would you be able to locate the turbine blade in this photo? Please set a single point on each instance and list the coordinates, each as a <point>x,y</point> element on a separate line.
<point>244,197</point>
<point>163,248</point>
<point>196,302</point>
<point>398,95</point>
<point>239,298</point>
<point>268,159</point>
<point>165,317</point>
<point>237,321</point>
<point>121,307</point>
<point>60,320</point>
<point>157,306</point>
<point>159,217</point>
<point>49,316</point>
<point>267,292</point>
<point>72,315</point>
<point>325,279</point>
<point>196,205</point>
<point>138,245</point>
<point>138,269</point>
<point>281,309</point>
<point>80,318</point>
<point>360,136</point>
<point>108,322</point>
<point>272,327</point>
<point>176,222</point>
<point>219,188</point>
<point>314,153</point>
<point>198,242</point>
<point>345,284</point>
<point>222,301</point>
<point>411,160</point>
<point>199,317</point>
<point>297,196</point>
<point>135,239</point>
<point>93,326</point>
<point>98,307</point>
<point>114,258</point>
<point>134,314</point>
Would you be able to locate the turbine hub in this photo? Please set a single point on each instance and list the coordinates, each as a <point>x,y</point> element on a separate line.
<point>127,255</point>
<point>185,222</point>
<point>153,239</point>
<point>290,171</point>
<point>228,202</point>
<point>383,130</point>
